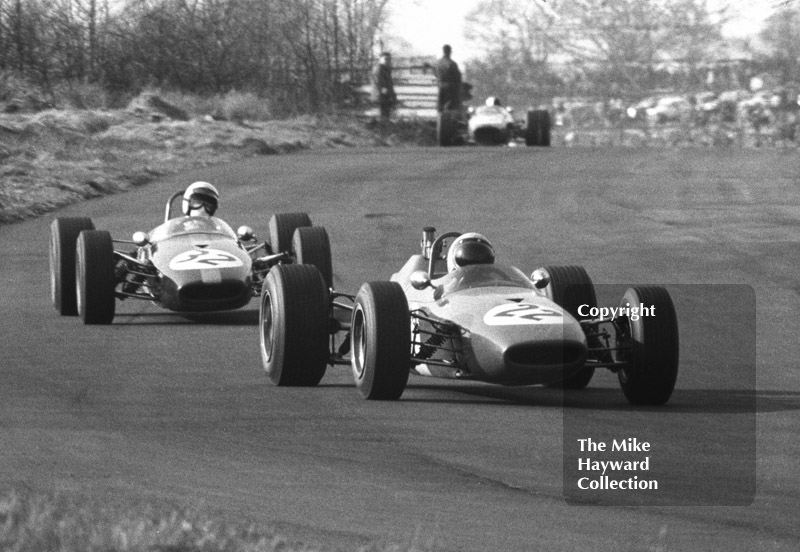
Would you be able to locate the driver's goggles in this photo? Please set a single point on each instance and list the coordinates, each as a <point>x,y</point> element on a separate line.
<point>195,203</point>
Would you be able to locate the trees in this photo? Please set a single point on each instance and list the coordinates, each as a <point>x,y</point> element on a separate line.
<point>517,39</point>
<point>52,40</point>
<point>619,44</point>
<point>302,53</point>
<point>781,34</point>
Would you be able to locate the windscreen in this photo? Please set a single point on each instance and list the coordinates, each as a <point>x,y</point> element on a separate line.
<point>484,275</point>
<point>182,226</point>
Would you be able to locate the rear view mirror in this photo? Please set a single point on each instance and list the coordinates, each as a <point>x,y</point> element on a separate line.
<point>540,278</point>
<point>245,233</point>
<point>420,279</point>
<point>141,238</point>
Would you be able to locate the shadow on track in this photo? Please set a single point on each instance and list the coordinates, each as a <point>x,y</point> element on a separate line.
<point>226,318</point>
<point>683,401</point>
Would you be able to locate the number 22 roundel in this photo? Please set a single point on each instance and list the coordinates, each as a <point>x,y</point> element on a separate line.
<point>205,258</point>
<point>517,314</point>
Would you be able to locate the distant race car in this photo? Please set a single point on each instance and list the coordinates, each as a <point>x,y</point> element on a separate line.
<point>187,264</point>
<point>485,321</point>
<point>492,124</point>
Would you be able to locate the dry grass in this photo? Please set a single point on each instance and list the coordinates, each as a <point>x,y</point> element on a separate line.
<point>233,106</point>
<point>43,523</point>
<point>57,157</point>
<point>70,523</point>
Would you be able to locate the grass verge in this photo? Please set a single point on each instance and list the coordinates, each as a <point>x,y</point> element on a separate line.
<point>39,523</point>
<point>61,522</point>
<point>57,157</point>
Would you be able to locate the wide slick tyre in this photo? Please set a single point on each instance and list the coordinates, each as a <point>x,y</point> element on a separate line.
<point>650,347</point>
<point>311,245</point>
<point>294,323</point>
<point>282,227</point>
<point>570,287</point>
<point>380,341</point>
<point>95,279</point>
<point>537,128</point>
<point>64,233</point>
<point>446,128</point>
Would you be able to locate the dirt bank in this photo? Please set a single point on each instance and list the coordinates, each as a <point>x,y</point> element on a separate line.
<point>54,158</point>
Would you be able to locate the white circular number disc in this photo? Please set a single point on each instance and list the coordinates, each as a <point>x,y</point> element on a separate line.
<point>199,259</point>
<point>516,314</point>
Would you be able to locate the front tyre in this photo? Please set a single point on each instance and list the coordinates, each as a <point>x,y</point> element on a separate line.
<point>95,281</point>
<point>650,347</point>
<point>569,288</point>
<point>64,233</point>
<point>294,322</point>
<point>282,227</point>
<point>380,341</point>
<point>311,245</point>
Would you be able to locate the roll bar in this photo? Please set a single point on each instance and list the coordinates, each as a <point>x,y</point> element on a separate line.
<point>436,248</point>
<point>171,199</point>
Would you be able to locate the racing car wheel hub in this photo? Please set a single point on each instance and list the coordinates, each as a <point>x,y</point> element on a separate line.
<point>359,343</point>
<point>266,326</point>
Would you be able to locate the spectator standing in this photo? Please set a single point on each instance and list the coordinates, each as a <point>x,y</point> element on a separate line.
<point>448,76</point>
<point>385,84</point>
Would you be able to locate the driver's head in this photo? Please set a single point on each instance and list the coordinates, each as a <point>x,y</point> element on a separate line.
<point>200,199</point>
<point>469,249</point>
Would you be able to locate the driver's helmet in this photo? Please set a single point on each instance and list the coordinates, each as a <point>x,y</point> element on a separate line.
<point>469,249</point>
<point>200,198</point>
<point>493,101</point>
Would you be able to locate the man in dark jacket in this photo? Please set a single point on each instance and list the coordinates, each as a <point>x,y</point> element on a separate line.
<point>383,80</point>
<point>448,76</point>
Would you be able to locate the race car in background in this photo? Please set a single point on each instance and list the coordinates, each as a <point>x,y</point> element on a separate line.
<point>492,124</point>
<point>482,321</point>
<point>186,264</point>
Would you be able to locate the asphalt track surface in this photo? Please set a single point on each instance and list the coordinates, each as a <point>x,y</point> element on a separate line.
<point>160,406</point>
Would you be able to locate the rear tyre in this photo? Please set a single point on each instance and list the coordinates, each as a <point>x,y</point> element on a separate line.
<point>380,341</point>
<point>537,128</point>
<point>570,287</point>
<point>95,280</point>
<point>652,345</point>
<point>282,227</point>
<point>446,128</point>
<point>64,233</point>
<point>293,322</point>
<point>312,246</point>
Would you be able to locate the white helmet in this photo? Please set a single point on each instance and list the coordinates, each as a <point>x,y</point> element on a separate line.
<point>467,249</point>
<point>200,195</point>
<point>492,101</point>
